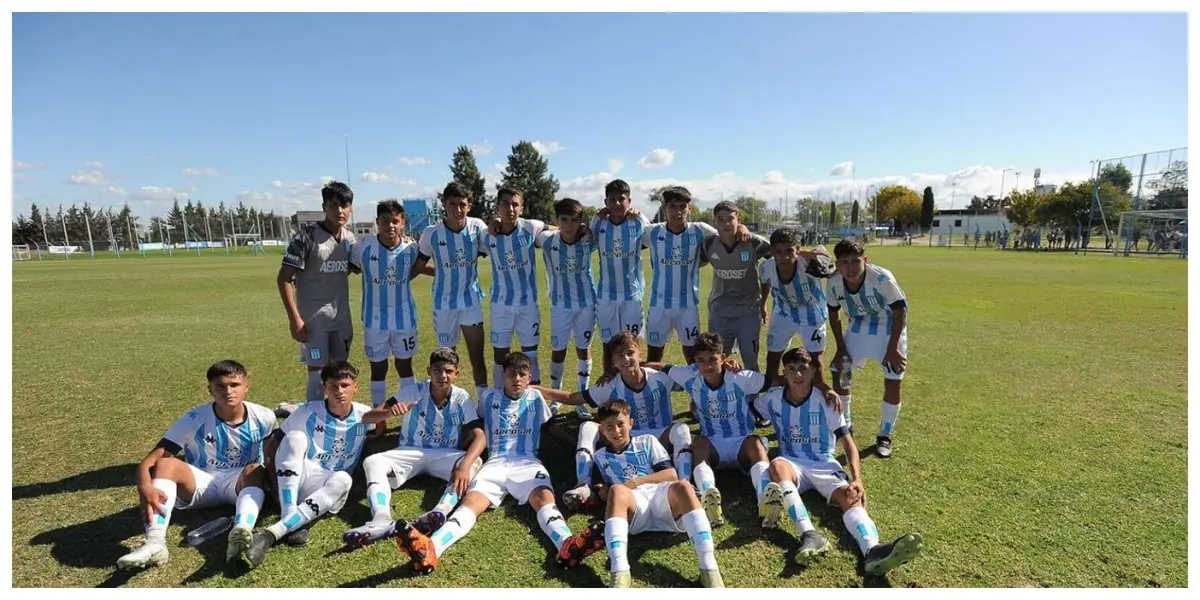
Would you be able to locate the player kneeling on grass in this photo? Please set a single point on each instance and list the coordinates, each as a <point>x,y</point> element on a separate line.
<point>647,393</point>
<point>317,448</point>
<point>222,446</point>
<point>440,421</point>
<point>807,429</point>
<point>513,418</point>
<point>644,495</point>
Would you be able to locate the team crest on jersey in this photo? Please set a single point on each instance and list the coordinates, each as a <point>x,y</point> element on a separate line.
<point>629,471</point>
<point>513,418</point>
<point>795,434</point>
<point>339,445</point>
<point>233,454</point>
<point>391,273</point>
<point>677,253</point>
<point>618,246</point>
<point>642,415</point>
<point>745,255</point>
<point>510,257</point>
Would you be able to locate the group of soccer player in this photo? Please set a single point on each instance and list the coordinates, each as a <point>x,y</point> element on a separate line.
<point>655,475</point>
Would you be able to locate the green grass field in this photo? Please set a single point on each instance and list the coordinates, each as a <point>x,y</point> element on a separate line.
<point>1042,441</point>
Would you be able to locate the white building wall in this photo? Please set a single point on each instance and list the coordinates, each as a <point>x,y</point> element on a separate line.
<point>959,224</point>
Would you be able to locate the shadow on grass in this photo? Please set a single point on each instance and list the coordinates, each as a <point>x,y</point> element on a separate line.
<point>100,479</point>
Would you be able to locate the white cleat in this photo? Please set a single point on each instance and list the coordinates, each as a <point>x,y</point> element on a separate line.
<point>772,506</point>
<point>710,500</point>
<point>151,554</point>
<point>238,542</point>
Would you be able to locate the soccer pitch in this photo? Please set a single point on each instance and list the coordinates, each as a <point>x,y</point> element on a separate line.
<point>1042,441</point>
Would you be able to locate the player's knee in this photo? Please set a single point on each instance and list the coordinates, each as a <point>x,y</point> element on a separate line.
<point>619,495</point>
<point>589,431</point>
<point>340,482</point>
<point>682,496</point>
<point>779,470</point>
<point>680,436</point>
<point>541,497</point>
<point>253,475</point>
<point>375,467</point>
<point>165,467</point>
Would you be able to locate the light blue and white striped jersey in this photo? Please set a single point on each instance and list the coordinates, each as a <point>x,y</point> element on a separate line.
<point>651,406</point>
<point>675,264</point>
<point>644,455</point>
<point>569,270</point>
<point>334,443</point>
<point>620,248</point>
<point>387,301</point>
<point>514,263</point>
<point>211,445</point>
<point>455,258</point>
<point>870,308</point>
<point>802,299</point>
<point>514,427</point>
<point>725,411</point>
<point>426,425</point>
<point>807,432</point>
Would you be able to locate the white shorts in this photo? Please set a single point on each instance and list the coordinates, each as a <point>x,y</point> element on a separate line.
<point>405,463</point>
<point>728,448</point>
<point>516,477</point>
<point>652,510</point>
<point>448,323</point>
<point>525,320</point>
<point>862,346</point>
<point>614,317</point>
<point>566,323</point>
<point>825,477</point>
<point>378,344</point>
<point>313,477</point>
<point>685,322</point>
<point>782,328</point>
<point>212,489</point>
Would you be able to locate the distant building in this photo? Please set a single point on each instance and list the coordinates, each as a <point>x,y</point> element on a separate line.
<point>960,221</point>
<point>1045,188</point>
<point>308,217</point>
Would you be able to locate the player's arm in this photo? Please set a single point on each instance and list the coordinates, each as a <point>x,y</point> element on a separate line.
<point>761,245</point>
<point>764,292</point>
<point>392,408</point>
<point>562,396</point>
<point>285,281</point>
<point>474,442</point>
<point>658,366</point>
<point>663,473</point>
<point>899,307</point>
<point>152,500</point>
<point>853,465</point>
<point>424,253</point>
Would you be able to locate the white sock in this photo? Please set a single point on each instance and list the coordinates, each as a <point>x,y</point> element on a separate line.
<point>554,525</point>
<point>681,447</point>
<point>585,372</point>
<point>535,371</point>
<point>846,409</point>
<point>315,505</point>
<point>704,477</point>
<point>378,393</point>
<point>498,375</point>
<point>589,433</point>
<point>887,424</point>
<point>758,477</point>
<point>699,531</point>
<point>556,374</point>
<point>379,490</point>
<point>447,501</point>
<point>795,506</point>
<point>313,391</point>
<point>860,525</point>
<point>156,529</point>
<point>249,503</point>
<point>616,537</point>
<point>405,382</point>
<point>457,526</point>
<point>289,463</point>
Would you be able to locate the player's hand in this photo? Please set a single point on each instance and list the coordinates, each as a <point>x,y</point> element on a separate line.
<point>401,408</point>
<point>762,313</point>
<point>732,364</point>
<point>494,226</point>
<point>633,213</point>
<point>602,213</point>
<point>897,360</point>
<point>602,492</point>
<point>856,493</point>
<point>744,235</point>
<point>153,500</point>
<point>461,478</point>
<point>834,400</point>
<point>299,331</point>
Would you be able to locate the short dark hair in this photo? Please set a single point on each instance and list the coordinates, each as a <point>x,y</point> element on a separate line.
<point>613,408</point>
<point>338,369</point>
<point>225,368</point>
<point>391,206</point>
<point>455,189</point>
<point>677,193</point>
<point>795,355</point>
<point>785,235</point>
<point>618,186</point>
<point>336,191</point>
<point>443,355</point>
<point>709,342</point>
<point>567,207</point>
<point>517,361</point>
<point>509,189</point>
<point>849,247</point>
<point>725,206</point>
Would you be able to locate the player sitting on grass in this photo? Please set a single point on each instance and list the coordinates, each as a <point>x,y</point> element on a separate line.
<point>878,313</point>
<point>317,448</point>
<point>800,307</point>
<point>222,465</point>
<point>513,418</point>
<point>807,431</point>
<point>440,436</point>
<point>646,391</point>
<point>567,254</point>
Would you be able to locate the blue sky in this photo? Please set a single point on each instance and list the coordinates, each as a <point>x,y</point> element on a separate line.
<point>111,108</point>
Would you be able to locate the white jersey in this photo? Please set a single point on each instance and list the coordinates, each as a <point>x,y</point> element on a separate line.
<point>569,270</point>
<point>387,300</point>
<point>426,425</point>
<point>620,248</point>
<point>455,258</point>
<point>210,444</point>
<point>725,411</point>
<point>801,299</point>
<point>870,308</point>
<point>514,427</point>
<point>334,443</point>
<point>650,406</point>
<point>514,263</point>
<point>809,431</point>
<point>644,455</point>
<point>675,264</point>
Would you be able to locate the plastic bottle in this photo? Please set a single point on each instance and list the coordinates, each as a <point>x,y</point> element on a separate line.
<point>209,531</point>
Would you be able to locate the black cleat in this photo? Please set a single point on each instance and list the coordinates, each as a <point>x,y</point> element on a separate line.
<point>257,552</point>
<point>812,545</point>
<point>885,557</point>
<point>883,447</point>
<point>297,538</point>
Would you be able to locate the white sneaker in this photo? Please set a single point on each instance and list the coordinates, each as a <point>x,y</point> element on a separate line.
<point>238,541</point>
<point>772,505</point>
<point>149,555</point>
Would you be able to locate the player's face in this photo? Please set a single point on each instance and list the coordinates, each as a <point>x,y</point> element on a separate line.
<point>340,390</point>
<point>798,374</point>
<point>390,226</point>
<point>456,210</point>
<point>229,390</point>
<point>852,267</point>
<point>443,375</point>
<point>515,382</point>
<point>336,212</point>
<point>728,222</point>
<point>709,363</point>
<point>509,208</point>
<point>616,430</point>
<point>616,203</point>
<point>627,358</point>
<point>677,213</point>
<point>784,254</point>
<point>569,223</point>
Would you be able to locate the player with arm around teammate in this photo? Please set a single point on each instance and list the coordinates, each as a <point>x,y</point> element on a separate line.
<point>800,306</point>
<point>618,231</point>
<point>807,431</point>
<point>222,445</point>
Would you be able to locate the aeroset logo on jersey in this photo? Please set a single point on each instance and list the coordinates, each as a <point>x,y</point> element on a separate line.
<point>334,266</point>
<point>618,250</point>
<point>459,260</point>
<point>730,273</point>
<point>676,258</point>
<point>796,436</point>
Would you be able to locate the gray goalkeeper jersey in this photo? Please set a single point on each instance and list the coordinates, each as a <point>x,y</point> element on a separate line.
<point>735,286</point>
<point>323,279</point>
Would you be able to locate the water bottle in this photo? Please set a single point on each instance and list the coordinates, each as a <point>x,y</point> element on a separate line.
<point>209,531</point>
<point>847,373</point>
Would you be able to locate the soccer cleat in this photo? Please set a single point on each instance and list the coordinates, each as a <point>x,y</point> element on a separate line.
<point>297,538</point>
<point>419,548</point>
<point>621,579</point>
<point>710,500</point>
<point>237,542</point>
<point>885,557</point>
<point>554,406</point>
<point>772,505</point>
<point>711,579</point>
<point>150,554</point>
<point>261,542</point>
<point>580,498</point>
<point>762,423</point>
<point>430,522</point>
<point>883,447</point>
<point>583,414</point>
<point>581,545</point>
<point>812,545</point>
<point>368,534</point>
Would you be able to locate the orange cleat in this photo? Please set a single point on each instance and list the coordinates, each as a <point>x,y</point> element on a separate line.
<point>419,548</point>
<point>582,545</point>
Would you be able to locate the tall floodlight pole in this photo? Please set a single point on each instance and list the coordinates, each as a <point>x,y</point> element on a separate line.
<point>346,140</point>
<point>66,240</point>
<point>112,239</point>
<point>88,224</point>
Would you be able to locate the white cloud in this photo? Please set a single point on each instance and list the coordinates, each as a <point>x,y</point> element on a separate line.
<point>658,159</point>
<point>413,160</point>
<point>276,184</point>
<point>87,178</point>
<point>19,177</point>
<point>773,178</point>
<point>115,190</point>
<point>20,165</point>
<point>94,164</point>
<point>614,165</point>
<point>842,169</point>
<point>200,172</point>
<point>484,148</point>
<point>326,179</point>
<point>547,148</point>
<point>374,177</point>
<point>156,193</point>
